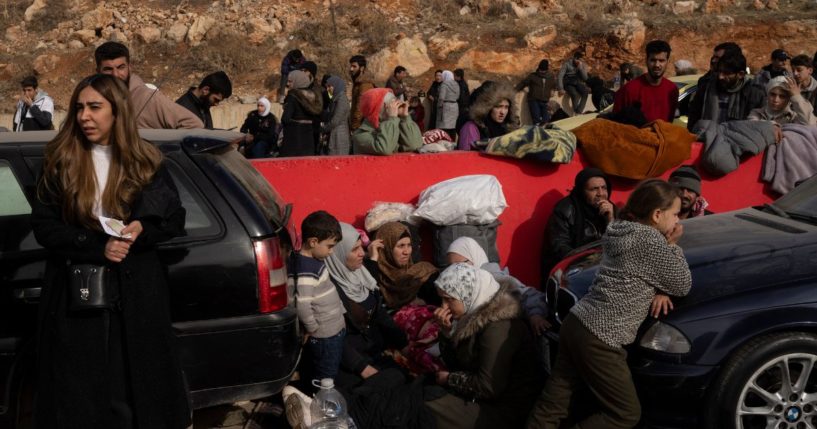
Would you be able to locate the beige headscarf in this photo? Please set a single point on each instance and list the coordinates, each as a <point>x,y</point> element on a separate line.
<point>399,284</point>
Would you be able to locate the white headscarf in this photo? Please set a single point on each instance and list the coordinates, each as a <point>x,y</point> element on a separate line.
<point>267,105</point>
<point>777,82</point>
<point>448,75</point>
<point>355,284</point>
<point>471,286</point>
<point>468,248</point>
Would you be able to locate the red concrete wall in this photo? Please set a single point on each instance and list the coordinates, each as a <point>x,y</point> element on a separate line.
<point>347,187</point>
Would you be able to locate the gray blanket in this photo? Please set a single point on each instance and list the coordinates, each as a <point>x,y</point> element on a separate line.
<point>793,160</point>
<point>725,143</point>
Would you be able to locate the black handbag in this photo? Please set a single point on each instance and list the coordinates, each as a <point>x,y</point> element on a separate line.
<point>91,287</point>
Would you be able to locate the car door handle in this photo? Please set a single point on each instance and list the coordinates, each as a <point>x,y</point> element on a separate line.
<point>27,294</point>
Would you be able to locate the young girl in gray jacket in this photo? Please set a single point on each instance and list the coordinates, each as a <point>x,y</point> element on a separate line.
<point>640,267</point>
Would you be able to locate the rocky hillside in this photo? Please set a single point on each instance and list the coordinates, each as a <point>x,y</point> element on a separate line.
<point>175,43</point>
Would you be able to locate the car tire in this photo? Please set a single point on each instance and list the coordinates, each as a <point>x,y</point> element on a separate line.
<point>752,382</point>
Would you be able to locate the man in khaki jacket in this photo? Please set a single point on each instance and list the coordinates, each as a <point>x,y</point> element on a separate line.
<point>361,83</point>
<point>153,109</point>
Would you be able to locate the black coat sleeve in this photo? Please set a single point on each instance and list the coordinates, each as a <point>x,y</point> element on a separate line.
<point>393,336</point>
<point>53,233</point>
<point>43,119</point>
<point>247,126</point>
<point>160,211</point>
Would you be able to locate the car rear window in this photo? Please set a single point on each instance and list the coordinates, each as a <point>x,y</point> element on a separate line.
<point>274,207</point>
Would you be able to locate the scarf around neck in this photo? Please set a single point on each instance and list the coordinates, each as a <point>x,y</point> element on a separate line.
<point>356,284</point>
<point>399,284</point>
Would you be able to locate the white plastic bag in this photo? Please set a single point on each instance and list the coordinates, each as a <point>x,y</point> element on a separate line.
<point>474,200</point>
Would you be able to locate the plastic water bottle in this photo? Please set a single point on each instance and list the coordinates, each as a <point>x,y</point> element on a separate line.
<point>328,408</point>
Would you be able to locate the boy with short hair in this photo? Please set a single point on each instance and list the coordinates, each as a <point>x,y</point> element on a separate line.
<point>318,305</point>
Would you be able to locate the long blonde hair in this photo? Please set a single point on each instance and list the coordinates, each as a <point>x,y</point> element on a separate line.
<point>69,169</point>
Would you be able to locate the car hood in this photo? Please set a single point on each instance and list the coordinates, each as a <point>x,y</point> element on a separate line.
<point>731,253</point>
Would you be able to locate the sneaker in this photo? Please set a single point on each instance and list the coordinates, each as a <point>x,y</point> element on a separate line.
<point>296,404</point>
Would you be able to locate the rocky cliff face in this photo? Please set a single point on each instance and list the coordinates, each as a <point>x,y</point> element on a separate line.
<point>174,44</point>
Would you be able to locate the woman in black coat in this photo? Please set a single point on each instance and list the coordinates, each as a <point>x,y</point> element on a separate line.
<point>302,109</point>
<point>115,365</point>
<point>261,129</point>
<point>369,328</point>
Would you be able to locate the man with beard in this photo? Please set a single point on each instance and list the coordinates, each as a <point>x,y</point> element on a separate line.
<point>579,218</point>
<point>214,88</point>
<point>153,109</point>
<point>657,96</point>
<point>541,85</point>
<point>802,69</point>
<point>730,97</point>
<point>686,178</point>
<point>360,84</point>
<point>396,83</point>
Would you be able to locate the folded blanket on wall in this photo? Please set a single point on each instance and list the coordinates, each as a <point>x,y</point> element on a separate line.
<point>635,153</point>
<point>535,143</point>
<point>793,160</point>
<point>725,143</point>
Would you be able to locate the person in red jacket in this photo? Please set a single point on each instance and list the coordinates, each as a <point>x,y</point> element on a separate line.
<point>658,97</point>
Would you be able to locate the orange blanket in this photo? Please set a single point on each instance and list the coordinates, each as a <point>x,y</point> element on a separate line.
<point>635,153</point>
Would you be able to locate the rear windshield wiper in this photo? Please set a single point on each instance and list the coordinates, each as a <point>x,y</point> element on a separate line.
<point>776,210</point>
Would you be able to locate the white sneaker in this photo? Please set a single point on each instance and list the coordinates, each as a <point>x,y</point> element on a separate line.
<point>296,404</point>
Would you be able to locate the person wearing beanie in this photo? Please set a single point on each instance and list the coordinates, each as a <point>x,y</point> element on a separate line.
<point>778,67</point>
<point>579,218</point>
<point>541,84</point>
<point>387,127</point>
<point>686,178</point>
<point>784,104</point>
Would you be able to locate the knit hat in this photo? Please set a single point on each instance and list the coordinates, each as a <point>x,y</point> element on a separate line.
<point>780,54</point>
<point>371,104</point>
<point>687,177</point>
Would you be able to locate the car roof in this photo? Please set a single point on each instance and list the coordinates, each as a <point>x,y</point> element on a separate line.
<point>155,136</point>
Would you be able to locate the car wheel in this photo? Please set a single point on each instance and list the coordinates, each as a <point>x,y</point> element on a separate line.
<point>770,383</point>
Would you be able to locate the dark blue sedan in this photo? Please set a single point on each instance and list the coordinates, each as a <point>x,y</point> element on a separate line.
<point>740,350</point>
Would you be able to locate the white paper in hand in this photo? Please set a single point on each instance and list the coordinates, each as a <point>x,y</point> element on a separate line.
<point>113,227</point>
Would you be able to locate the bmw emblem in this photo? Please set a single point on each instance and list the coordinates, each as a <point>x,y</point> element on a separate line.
<point>793,414</point>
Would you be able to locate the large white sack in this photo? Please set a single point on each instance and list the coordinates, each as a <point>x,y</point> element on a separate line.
<point>475,200</point>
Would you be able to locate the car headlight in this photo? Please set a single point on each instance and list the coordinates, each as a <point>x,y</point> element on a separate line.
<point>665,338</point>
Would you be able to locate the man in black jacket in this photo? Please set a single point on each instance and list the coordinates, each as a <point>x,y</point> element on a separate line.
<point>214,88</point>
<point>579,218</point>
<point>35,109</point>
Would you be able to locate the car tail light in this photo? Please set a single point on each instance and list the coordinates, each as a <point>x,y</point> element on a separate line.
<point>272,276</point>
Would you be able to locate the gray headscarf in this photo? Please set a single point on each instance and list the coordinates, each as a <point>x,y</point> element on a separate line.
<point>470,285</point>
<point>300,79</point>
<point>355,284</point>
<point>338,84</point>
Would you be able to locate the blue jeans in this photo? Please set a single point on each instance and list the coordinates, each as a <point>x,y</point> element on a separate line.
<point>326,354</point>
<point>258,149</point>
<point>538,111</point>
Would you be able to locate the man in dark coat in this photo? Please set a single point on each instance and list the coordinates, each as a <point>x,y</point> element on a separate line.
<point>433,93</point>
<point>214,88</point>
<point>693,204</point>
<point>541,84</point>
<point>730,96</point>
<point>462,100</point>
<point>579,218</point>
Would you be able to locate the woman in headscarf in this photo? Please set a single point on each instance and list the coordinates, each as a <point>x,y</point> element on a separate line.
<point>338,125</point>
<point>387,126</point>
<point>784,104</point>
<point>492,113</point>
<point>447,107</point>
<point>261,130</point>
<point>302,107</point>
<point>494,376</point>
<point>369,329</point>
<point>399,278</point>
